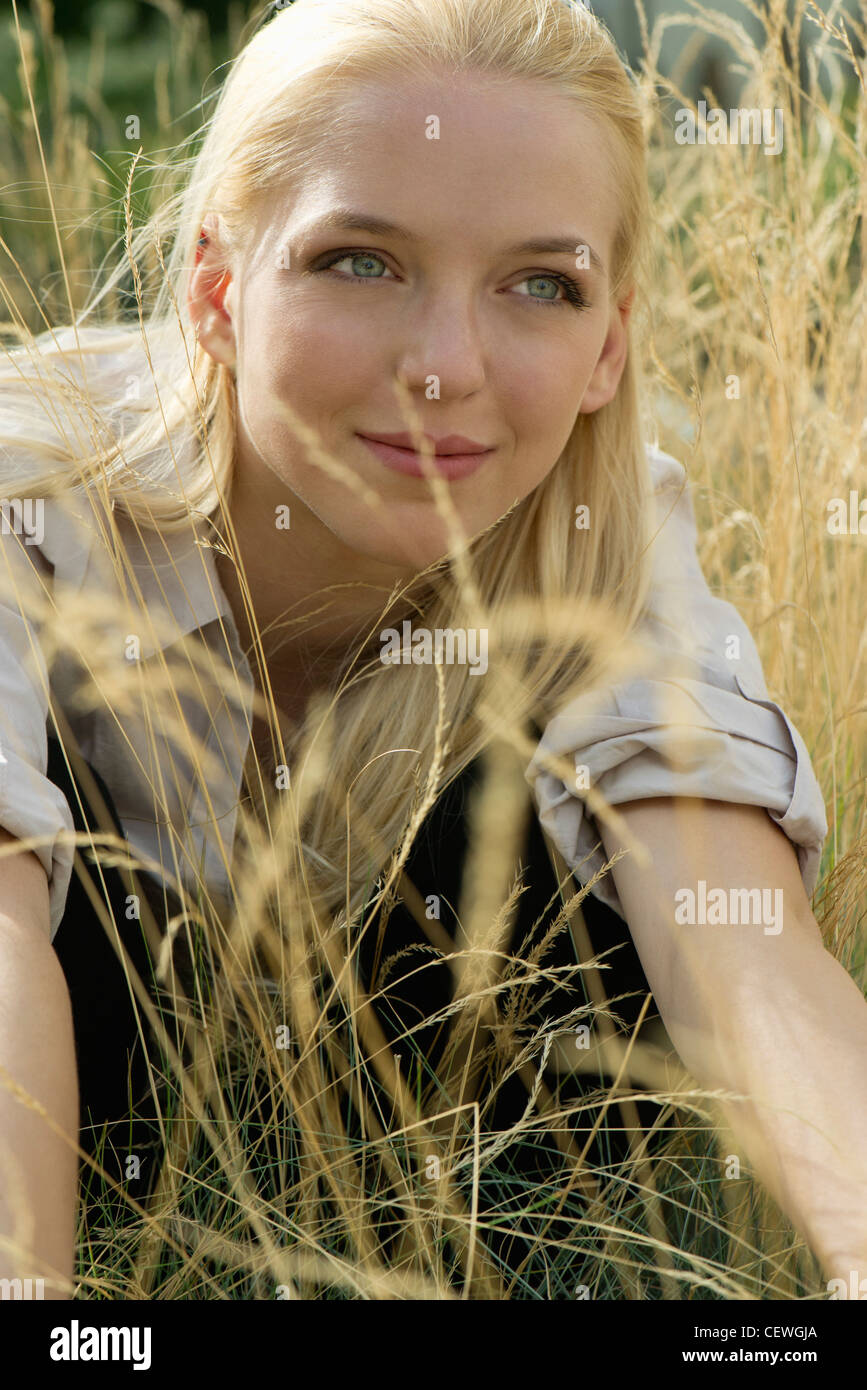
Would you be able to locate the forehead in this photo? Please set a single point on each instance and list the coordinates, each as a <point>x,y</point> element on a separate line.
<point>476,158</point>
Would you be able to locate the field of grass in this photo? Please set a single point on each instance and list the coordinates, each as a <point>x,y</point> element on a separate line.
<point>759,277</point>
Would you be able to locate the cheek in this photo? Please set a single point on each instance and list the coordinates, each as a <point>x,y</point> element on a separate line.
<point>544,389</point>
<point>302,352</point>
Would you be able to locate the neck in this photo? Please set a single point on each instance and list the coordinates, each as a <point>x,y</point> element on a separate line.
<point>313,598</point>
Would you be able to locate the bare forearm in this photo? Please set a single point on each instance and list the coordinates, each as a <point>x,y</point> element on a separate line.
<point>795,1043</point>
<point>38,1167</point>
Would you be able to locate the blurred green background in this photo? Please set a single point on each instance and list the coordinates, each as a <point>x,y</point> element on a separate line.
<point>111,80</point>
<point>136,37</point>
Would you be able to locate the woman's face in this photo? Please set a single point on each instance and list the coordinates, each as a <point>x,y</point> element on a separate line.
<point>487,338</point>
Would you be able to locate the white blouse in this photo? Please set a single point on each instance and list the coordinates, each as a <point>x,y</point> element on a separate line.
<point>693,718</point>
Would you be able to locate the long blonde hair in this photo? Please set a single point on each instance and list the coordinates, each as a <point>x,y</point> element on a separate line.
<point>530,577</point>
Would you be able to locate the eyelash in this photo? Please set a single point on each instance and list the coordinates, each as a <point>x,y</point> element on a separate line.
<point>574,294</point>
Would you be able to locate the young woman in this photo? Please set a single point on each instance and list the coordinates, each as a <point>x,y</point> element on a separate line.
<point>362,509</point>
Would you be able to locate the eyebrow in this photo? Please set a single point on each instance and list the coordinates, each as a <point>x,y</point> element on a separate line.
<point>340,218</point>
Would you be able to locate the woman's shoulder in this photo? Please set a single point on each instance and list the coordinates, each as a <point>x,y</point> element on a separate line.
<point>69,390</point>
<point>672,494</point>
<point>665,470</point>
<point>689,716</point>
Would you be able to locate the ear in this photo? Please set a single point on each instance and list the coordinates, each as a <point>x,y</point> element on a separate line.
<point>208,295</point>
<point>609,368</point>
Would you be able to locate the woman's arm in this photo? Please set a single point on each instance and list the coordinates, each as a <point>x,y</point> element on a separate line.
<point>759,1007</point>
<point>38,1166</point>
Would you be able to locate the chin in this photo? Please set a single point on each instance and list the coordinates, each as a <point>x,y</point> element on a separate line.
<point>409,556</point>
<point>409,541</point>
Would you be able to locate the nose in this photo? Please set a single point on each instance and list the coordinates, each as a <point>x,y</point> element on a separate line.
<point>443,349</point>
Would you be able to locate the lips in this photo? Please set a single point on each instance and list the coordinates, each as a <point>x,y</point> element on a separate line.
<point>402,458</point>
<point>445,446</point>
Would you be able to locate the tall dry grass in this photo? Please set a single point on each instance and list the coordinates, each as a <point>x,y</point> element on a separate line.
<point>325,1168</point>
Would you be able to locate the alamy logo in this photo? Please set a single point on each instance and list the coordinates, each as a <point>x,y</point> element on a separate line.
<point>737,906</point>
<point>464,646</point>
<point>743,125</point>
<point>23,516</point>
<point>76,1343</point>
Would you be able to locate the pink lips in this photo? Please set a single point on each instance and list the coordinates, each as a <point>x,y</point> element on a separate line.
<point>455,456</point>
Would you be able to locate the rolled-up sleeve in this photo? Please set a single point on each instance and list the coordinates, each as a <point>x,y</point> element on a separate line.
<point>694,717</point>
<point>30,804</point>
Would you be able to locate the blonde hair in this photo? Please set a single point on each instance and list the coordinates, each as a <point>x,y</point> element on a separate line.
<point>530,577</point>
